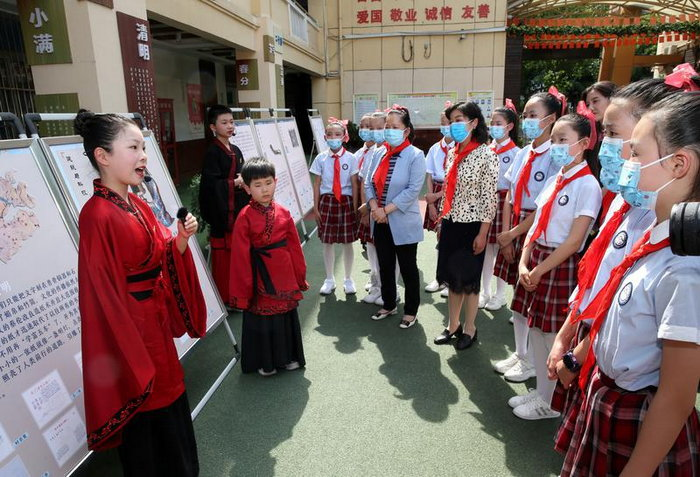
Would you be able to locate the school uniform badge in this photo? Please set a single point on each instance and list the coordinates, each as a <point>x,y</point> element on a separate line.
<point>625,294</point>
<point>620,240</point>
<point>345,167</point>
<point>563,200</point>
<point>539,176</point>
<point>506,160</point>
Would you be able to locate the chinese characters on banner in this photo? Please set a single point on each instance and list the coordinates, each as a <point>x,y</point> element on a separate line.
<point>247,74</point>
<point>195,107</point>
<point>371,11</point>
<point>139,75</point>
<point>44,32</point>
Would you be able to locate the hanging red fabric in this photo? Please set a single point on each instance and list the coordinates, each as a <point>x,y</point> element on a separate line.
<point>598,308</point>
<point>547,208</point>
<point>451,175</point>
<point>383,167</point>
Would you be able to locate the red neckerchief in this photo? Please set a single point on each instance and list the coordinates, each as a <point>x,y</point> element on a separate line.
<point>542,224</point>
<point>451,175</point>
<point>608,198</point>
<point>444,154</point>
<point>383,167</point>
<point>495,147</point>
<point>230,181</point>
<point>337,188</point>
<point>362,159</point>
<point>523,180</point>
<point>590,263</point>
<point>598,308</point>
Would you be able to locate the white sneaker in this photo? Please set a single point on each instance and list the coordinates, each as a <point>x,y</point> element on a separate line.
<point>520,372</point>
<point>434,286</point>
<point>495,303</point>
<point>511,319</point>
<point>380,302</point>
<point>328,287</point>
<point>371,283</point>
<point>262,372</point>
<point>483,299</point>
<point>535,409</point>
<point>349,286</point>
<point>292,365</point>
<point>516,401</point>
<point>372,296</point>
<point>445,291</point>
<point>505,364</point>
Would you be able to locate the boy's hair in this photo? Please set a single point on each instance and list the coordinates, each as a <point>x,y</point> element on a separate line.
<point>257,168</point>
<point>216,111</point>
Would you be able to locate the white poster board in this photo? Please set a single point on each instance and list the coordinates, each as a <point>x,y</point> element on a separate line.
<point>363,104</point>
<point>425,108</point>
<point>272,149</point>
<point>245,139</point>
<point>483,99</point>
<point>75,175</point>
<point>296,159</point>
<point>42,432</point>
<point>318,129</point>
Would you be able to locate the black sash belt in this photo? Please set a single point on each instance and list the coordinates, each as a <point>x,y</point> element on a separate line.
<point>134,280</point>
<point>256,255</point>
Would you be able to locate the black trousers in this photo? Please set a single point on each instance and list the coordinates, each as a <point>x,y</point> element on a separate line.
<point>160,443</point>
<point>387,254</point>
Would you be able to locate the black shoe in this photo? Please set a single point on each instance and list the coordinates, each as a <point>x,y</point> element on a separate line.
<point>465,341</point>
<point>446,336</point>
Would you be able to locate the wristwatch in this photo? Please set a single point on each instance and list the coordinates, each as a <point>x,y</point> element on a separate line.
<point>571,362</point>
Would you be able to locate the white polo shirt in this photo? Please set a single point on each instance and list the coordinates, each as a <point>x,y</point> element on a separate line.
<point>580,197</point>
<point>363,157</point>
<point>635,222</point>
<point>323,166</point>
<point>657,299</point>
<point>505,161</point>
<point>542,169</point>
<point>435,160</point>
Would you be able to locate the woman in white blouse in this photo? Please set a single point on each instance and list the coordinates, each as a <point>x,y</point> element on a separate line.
<point>468,207</point>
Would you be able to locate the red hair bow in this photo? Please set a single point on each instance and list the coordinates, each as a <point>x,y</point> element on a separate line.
<point>509,105</point>
<point>343,123</point>
<point>682,78</point>
<point>560,96</point>
<point>583,110</point>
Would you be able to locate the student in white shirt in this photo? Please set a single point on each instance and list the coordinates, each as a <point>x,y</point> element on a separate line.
<point>566,209</point>
<point>646,327</point>
<point>336,194</point>
<point>504,131</point>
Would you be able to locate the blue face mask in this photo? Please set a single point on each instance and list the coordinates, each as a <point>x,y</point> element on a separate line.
<point>631,171</point>
<point>497,132</point>
<point>610,176</point>
<point>334,144</point>
<point>445,131</point>
<point>531,128</point>
<point>378,136</point>
<point>560,154</point>
<point>642,199</point>
<point>366,135</point>
<point>394,136</point>
<point>459,131</point>
<point>610,153</point>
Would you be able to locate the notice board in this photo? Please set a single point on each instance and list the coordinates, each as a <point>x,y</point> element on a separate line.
<point>425,108</point>
<point>296,159</point>
<point>318,129</point>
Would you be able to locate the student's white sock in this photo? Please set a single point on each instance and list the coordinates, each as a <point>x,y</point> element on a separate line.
<point>490,253</point>
<point>541,344</point>
<point>501,288</point>
<point>348,258</point>
<point>520,330</point>
<point>329,260</point>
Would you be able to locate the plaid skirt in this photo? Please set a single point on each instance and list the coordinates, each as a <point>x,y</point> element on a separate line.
<point>427,223</point>
<point>497,224</point>
<point>337,220</point>
<point>508,272</point>
<point>607,428</point>
<point>364,233</point>
<point>547,307</point>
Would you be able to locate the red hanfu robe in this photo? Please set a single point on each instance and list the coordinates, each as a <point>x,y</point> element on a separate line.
<point>137,292</point>
<point>268,270</point>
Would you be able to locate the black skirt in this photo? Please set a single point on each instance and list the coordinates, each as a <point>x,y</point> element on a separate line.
<point>458,267</point>
<point>270,341</point>
<point>160,443</point>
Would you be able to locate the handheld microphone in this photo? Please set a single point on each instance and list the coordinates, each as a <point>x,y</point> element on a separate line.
<point>182,214</point>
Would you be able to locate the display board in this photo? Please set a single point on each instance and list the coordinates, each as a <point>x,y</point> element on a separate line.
<point>75,175</point>
<point>425,108</point>
<point>42,432</point>
<point>484,99</point>
<point>272,149</point>
<point>363,104</point>
<point>296,159</point>
<point>318,129</point>
<point>245,139</point>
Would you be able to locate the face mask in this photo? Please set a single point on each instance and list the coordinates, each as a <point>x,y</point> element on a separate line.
<point>366,134</point>
<point>378,136</point>
<point>394,136</point>
<point>641,198</point>
<point>610,153</point>
<point>531,128</point>
<point>497,132</point>
<point>629,177</point>
<point>610,176</point>
<point>560,154</point>
<point>445,131</point>
<point>459,131</point>
<point>334,144</point>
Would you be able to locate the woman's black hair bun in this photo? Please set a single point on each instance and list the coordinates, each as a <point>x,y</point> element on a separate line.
<point>80,123</point>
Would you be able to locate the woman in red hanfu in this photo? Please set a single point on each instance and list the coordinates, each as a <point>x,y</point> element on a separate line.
<point>138,289</point>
